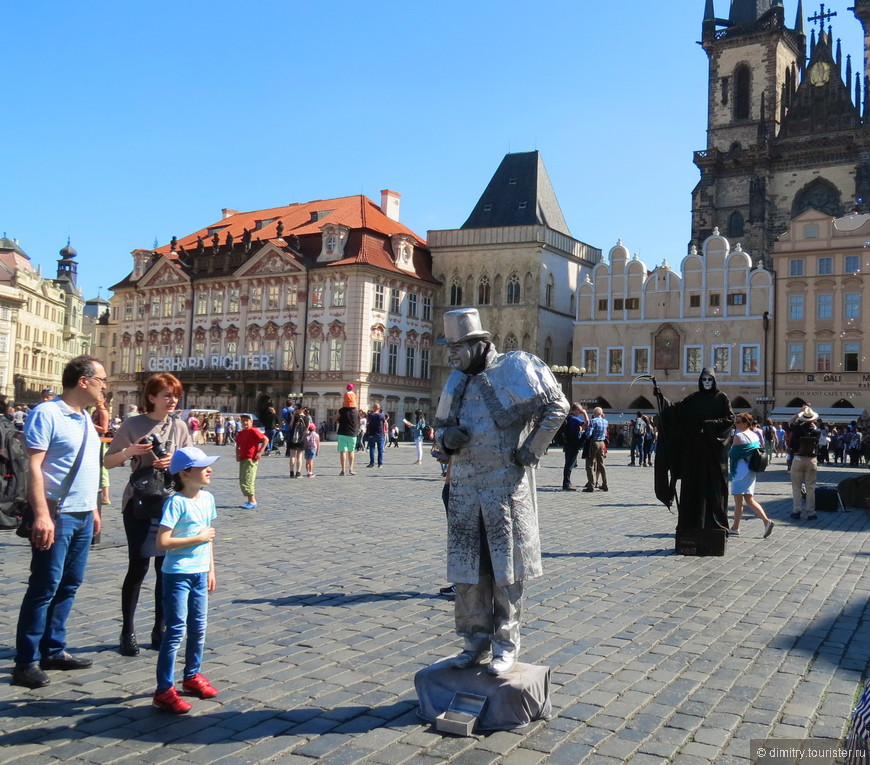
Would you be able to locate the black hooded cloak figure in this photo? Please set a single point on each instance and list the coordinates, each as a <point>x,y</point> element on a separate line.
<point>694,452</point>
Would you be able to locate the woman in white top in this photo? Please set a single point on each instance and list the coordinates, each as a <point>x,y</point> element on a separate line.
<point>743,443</point>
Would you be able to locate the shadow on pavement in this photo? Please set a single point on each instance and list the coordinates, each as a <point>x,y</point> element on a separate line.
<point>144,723</point>
<point>340,598</point>
<point>608,553</point>
<point>836,640</point>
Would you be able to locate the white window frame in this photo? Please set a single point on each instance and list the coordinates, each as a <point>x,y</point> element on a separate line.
<point>828,304</point>
<point>788,362</point>
<point>634,368</point>
<point>594,350</point>
<point>727,349</point>
<point>757,349</point>
<point>315,355</point>
<point>857,352</point>
<point>849,303</point>
<point>686,349</point>
<point>336,354</point>
<point>621,349</point>
<point>798,300</point>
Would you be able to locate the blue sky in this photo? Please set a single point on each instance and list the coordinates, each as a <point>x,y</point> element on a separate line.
<point>130,121</point>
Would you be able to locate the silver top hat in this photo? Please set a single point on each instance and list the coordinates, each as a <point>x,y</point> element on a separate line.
<point>462,324</point>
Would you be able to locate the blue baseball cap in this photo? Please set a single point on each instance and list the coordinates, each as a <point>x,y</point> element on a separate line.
<point>189,457</point>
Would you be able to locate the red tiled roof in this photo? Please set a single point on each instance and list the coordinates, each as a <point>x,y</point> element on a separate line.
<point>355,212</point>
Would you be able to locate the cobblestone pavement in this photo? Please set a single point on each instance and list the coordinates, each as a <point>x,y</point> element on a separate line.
<point>327,604</point>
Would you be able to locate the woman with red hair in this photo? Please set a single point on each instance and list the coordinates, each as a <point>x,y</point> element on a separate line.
<point>148,441</point>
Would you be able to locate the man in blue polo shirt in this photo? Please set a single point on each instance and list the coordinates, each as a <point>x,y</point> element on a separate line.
<point>65,519</point>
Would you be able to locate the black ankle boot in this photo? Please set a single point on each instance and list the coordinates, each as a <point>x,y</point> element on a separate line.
<point>129,646</point>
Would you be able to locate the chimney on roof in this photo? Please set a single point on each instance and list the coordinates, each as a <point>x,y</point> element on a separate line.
<point>226,212</point>
<point>390,203</point>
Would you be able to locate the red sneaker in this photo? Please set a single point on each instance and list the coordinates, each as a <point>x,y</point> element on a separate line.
<point>199,686</point>
<point>170,701</point>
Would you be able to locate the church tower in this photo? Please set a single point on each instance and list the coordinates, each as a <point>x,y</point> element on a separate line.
<point>784,133</point>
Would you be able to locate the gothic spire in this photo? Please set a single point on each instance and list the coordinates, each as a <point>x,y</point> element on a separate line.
<point>799,20</point>
<point>709,11</point>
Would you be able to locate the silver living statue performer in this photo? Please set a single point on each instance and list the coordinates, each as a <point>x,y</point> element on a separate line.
<point>497,415</point>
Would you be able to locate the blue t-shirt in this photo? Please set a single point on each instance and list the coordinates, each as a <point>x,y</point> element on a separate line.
<point>375,424</point>
<point>58,431</point>
<point>187,518</point>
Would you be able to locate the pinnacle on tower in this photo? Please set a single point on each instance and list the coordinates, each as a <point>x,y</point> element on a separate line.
<point>709,11</point>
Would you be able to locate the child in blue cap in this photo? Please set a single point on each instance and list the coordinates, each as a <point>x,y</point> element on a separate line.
<point>186,535</point>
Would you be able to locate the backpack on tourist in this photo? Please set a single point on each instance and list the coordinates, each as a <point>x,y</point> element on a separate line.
<point>13,476</point>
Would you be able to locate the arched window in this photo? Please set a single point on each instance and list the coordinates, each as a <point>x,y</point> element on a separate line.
<point>455,292</point>
<point>513,289</point>
<point>735,224</point>
<point>818,195</point>
<point>742,79</point>
<point>548,291</point>
<point>511,343</point>
<point>548,351</point>
<point>483,291</point>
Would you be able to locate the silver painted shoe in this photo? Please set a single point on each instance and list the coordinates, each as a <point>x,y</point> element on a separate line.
<point>502,663</point>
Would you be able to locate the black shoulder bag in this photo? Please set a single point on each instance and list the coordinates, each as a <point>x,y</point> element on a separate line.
<point>151,488</point>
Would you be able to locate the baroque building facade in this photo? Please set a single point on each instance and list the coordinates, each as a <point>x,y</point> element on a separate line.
<point>40,322</point>
<point>786,125</point>
<point>297,300</point>
<point>716,312</point>
<point>821,356</point>
<point>514,260</point>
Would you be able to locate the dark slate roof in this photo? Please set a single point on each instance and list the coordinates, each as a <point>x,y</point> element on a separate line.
<point>519,194</point>
<point>10,244</point>
<point>745,12</point>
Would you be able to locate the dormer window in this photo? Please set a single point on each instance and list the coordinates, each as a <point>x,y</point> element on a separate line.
<point>403,251</point>
<point>333,241</point>
<point>260,224</point>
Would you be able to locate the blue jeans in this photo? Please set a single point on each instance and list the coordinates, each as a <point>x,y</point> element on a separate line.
<point>379,442</point>
<point>185,606</point>
<point>55,575</point>
<point>270,434</point>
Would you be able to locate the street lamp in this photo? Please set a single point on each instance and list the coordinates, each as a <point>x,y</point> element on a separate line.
<point>567,372</point>
<point>764,402</point>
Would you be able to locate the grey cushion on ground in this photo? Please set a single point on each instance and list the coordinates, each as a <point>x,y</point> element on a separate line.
<point>513,700</point>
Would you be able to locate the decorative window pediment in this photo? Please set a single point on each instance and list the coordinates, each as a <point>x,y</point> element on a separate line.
<point>334,239</point>
<point>403,251</point>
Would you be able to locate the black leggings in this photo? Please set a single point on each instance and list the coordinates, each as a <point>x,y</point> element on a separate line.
<point>137,568</point>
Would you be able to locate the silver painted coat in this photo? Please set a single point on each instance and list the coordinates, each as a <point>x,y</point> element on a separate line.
<point>514,405</point>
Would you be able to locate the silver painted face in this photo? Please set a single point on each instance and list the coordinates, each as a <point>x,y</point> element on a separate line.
<point>459,355</point>
<point>707,382</point>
